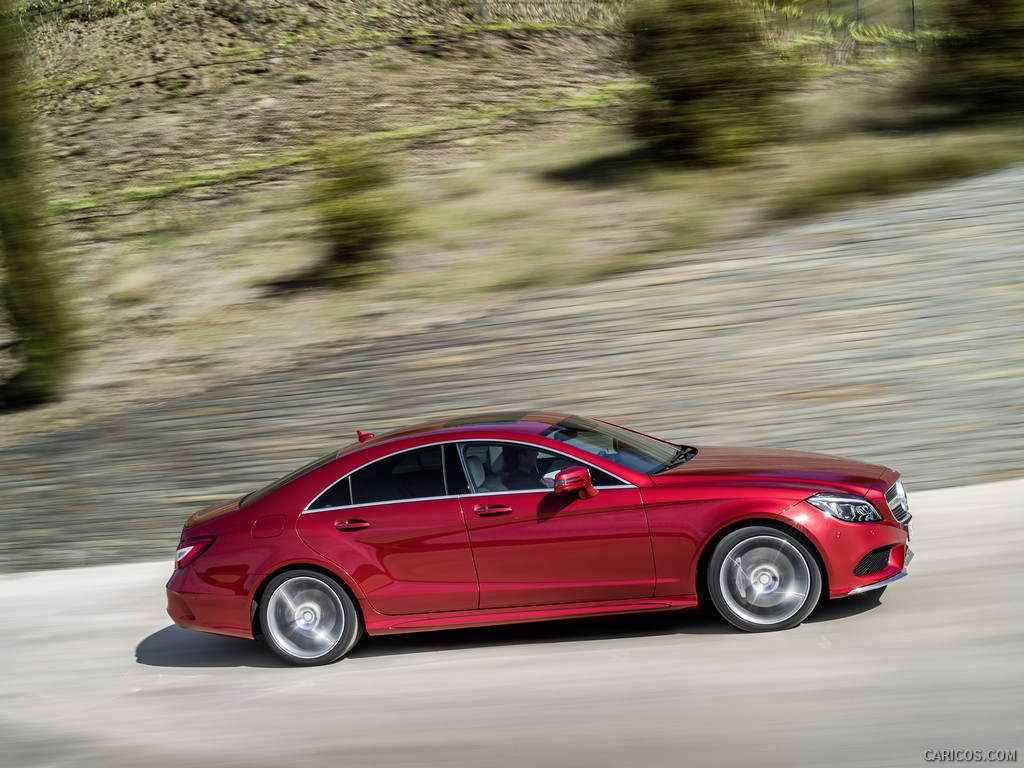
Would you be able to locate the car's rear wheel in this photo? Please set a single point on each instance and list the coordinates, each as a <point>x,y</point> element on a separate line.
<point>308,618</point>
<point>763,579</point>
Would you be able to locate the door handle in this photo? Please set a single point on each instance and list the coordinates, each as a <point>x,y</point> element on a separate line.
<point>491,510</point>
<point>351,525</point>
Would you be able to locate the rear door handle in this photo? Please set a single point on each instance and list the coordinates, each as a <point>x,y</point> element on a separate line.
<point>351,525</point>
<point>491,510</point>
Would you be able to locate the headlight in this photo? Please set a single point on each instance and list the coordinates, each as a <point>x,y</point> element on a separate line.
<point>852,509</point>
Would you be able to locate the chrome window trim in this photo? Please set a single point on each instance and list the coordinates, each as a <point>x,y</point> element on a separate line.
<point>539,490</point>
<point>456,442</point>
<point>419,499</point>
<point>376,503</point>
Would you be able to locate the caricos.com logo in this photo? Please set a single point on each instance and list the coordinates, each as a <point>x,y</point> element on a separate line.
<point>970,756</point>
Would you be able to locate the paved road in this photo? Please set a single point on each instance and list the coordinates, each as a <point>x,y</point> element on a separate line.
<point>894,333</point>
<point>94,674</point>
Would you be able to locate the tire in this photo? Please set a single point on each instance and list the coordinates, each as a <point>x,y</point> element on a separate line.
<point>763,579</point>
<point>308,618</point>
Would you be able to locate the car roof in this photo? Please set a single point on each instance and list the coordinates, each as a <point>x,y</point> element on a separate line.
<point>526,422</point>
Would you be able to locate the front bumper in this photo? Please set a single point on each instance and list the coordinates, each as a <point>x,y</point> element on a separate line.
<point>858,556</point>
<point>885,582</point>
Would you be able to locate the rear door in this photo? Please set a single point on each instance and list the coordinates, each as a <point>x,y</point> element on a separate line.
<point>397,527</point>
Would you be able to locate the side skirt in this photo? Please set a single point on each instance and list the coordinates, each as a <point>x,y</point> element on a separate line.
<point>380,624</point>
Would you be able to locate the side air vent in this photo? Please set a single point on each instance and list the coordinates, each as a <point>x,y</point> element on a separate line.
<point>873,562</point>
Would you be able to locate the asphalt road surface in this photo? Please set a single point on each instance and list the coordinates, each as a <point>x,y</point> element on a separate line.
<point>95,674</point>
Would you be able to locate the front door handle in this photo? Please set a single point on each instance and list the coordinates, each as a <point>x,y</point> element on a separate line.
<point>491,510</point>
<point>351,525</point>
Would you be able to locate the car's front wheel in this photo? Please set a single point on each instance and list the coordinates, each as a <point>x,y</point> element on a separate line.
<point>762,579</point>
<point>308,618</point>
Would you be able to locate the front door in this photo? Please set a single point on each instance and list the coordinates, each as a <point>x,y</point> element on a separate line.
<point>534,547</point>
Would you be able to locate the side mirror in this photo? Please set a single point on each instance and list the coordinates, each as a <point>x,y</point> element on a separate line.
<point>575,480</point>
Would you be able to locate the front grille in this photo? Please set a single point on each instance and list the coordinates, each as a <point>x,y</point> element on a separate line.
<point>897,504</point>
<point>873,562</point>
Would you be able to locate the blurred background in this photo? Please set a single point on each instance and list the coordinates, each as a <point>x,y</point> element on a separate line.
<point>235,232</point>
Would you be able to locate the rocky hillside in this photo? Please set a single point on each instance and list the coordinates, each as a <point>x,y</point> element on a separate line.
<point>158,90</point>
<point>176,138</point>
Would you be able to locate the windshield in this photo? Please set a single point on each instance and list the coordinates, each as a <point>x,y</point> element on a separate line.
<point>257,495</point>
<point>623,446</point>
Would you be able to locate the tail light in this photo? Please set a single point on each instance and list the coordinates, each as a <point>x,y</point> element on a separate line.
<point>189,551</point>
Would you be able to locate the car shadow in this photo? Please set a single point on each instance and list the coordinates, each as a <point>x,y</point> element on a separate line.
<point>580,630</point>
<point>830,610</point>
<point>174,646</point>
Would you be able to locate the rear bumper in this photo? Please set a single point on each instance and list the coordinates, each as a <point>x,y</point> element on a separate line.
<point>193,604</point>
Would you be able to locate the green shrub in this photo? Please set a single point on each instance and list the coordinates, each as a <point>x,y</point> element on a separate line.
<point>978,67</point>
<point>359,212</point>
<point>29,285</point>
<point>714,82</point>
<point>235,11</point>
<point>103,9</point>
<point>829,185</point>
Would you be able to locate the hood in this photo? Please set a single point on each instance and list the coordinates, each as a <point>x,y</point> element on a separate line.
<point>760,466</point>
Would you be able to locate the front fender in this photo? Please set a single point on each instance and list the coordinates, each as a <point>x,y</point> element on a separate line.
<point>684,525</point>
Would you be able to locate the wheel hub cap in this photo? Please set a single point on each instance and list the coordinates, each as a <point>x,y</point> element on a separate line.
<point>766,581</point>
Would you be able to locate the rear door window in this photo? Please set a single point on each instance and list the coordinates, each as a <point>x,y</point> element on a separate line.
<point>421,473</point>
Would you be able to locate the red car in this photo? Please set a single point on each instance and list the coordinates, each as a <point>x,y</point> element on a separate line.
<point>515,517</point>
